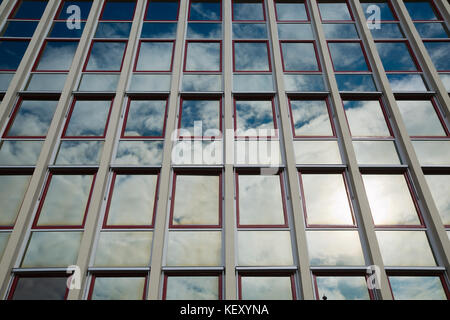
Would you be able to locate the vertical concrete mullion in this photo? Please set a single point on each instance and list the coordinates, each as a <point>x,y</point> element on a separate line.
<point>436,228</point>
<point>307,291</point>
<point>5,9</point>
<point>444,8</point>
<point>25,214</point>
<point>230,220</point>
<point>164,185</point>
<point>366,225</point>
<point>94,211</point>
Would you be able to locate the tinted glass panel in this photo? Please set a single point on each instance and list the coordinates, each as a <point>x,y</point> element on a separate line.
<point>85,7</point>
<point>420,118</point>
<point>248,10</point>
<point>159,30</point>
<point>432,30</point>
<point>266,288</point>
<point>88,118</point>
<point>385,10</point>
<point>396,56</point>
<point>60,30</point>
<point>207,112</point>
<point>204,31</point>
<point>290,10</point>
<point>287,31</point>
<point>118,10</point>
<point>118,288</point>
<point>155,56</point>
<point>150,82</point>
<point>334,11</point>
<point>252,82</point>
<point>57,55</point>
<point>438,52</point>
<point>340,31</point>
<point>139,153</point>
<point>12,53</point>
<point>347,56</point>
<point>406,82</point>
<point>192,288</point>
<point>79,152</point>
<point>164,10</point>
<point>366,118</point>
<point>421,10</point>
<point>113,30</point>
<point>432,152</point>
<point>317,152</point>
<point>29,10</point>
<point>311,118</point>
<point>342,288</point>
<point>202,82</point>
<point>304,82</point>
<point>291,53</point>
<point>376,152</point>
<point>355,82</point>
<point>17,153</point>
<point>42,288</point>
<point>98,82</point>
<point>417,288</point>
<point>12,190</point>
<point>205,10</point>
<point>251,56</point>
<point>252,117</point>
<point>388,31</point>
<point>19,29</point>
<point>145,118</point>
<point>440,189</point>
<point>106,56</point>
<point>203,56</point>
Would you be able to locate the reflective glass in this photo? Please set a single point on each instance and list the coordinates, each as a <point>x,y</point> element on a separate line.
<point>202,82</point>
<point>384,8</point>
<point>155,56</point>
<point>60,210</point>
<point>420,10</point>
<point>19,29</point>
<point>440,189</point>
<point>396,56</point>
<point>19,153</point>
<point>251,56</point>
<point>12,52</point>
<point>365,118</point>
<point>304,82</point>
<point>334,248</point>
<point>257,153</point>
<point>291,53</point>
<point>288,31</point>
<point>5,79</point>
<point>159,30</point>
<point>288,10</point>
<point>253,115</point>
<point>438,52</point>
<point>200,118</point>
<point>113,30</point>
<point>326,199</point>
<point>192,288</point>
<point>197,152</point>
<point>417,288</point>
<point>376,152</point>
<point>163,10</point>
<point>334,11</point>
<point>347,56</point>
<point>79,152</point>
<point>46,82</point>
<point>342,288</point>
<point>317,152</point>
<point>32,118</point>
<point>118,288</point>
<point>355,82</point>
<point>194,248</point>
<point>4,237</point>
<point>249,31</point>
<point>142,153</point>
<point>432,30</point>
<point>40,288</point>
<point>106,56</point>
<point>205,10</point>
<point>85,7</point>
<point>405,248</point>
<point>145,118</point>
<point>266,288</point>
<point>432,152</point>
<point>260,200</point>
<point>340,31</point>
<point>264,248</point>
<point>388,31</point>
<point>203,56</point>
<point>132,200</point>
<point>12,190</point>
<point>248,10</point>
<point>29,9</point>
<point>60,30</point>
<point>118,10</point>
<point>311,118</point>
<point>57,55</point>
<point>98,82</point>
<point>150,82</point>
<point>124,249</point>
<point>406,82</point>
<point>197,200</point>
<point>420,118</point>
<point>88,118</point>
<point>252,82</point>
<point>204,31</point>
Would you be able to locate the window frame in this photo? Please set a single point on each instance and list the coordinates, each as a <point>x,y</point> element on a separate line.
<point>366,58</point>
<point>411,52</point>
<point>100,16</point>
<point>44,195</point>
<point>267,273</point>
<point>188,273</point>
<point>202,71</point>
<point>205,21</point>
<point>138,51</point>
<point>146,11</point>
<point>308,16</point>
<point>255,21</point>
<point>118,274</point>
<point>38,275</point>
<point>339,21</point>
<point>269,62</point>
<point>338,273</point>
<point>88,56</point>
<point>260,227</point>
<point>319,67</point>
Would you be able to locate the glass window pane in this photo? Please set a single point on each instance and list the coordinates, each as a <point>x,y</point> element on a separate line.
<point>132,200</point>
<point>366,118</point>
<point>432,152</point>
<point>201,10</point>
<point>29,9</point>
<point>390,199</point>
<point>376,152</point>
<point>19,29</point>
<point>79,152</point>
<point>200,118</point>
<point>155,56</point>
<point>249,31</point>
<point>340,31</point>
<point>252,82</point>
<point>252,116</point>
<point>291,53</point>
<point>118,288</point>
<point>12,190</point>
<point>40,288</point>
<point>417,288</point>
<point>342,288</point>
<point>46,82</point>
<point>163,10</point>
<point>421,10</point>
<point>113,30</point>
<point>260,200</point>
<point>438,52</point>
<point>5,79</point>
<point>326,199</point>
<point>440,189</point>
<point>317,152</point>
<point>85,7</point>
<point>202,82</point>
<point>192,288</point>
<point>304,82</point>
<point>266,288</point>
<point>31,119</point>
<point>98,82</point>
<point>388,31</point>
<point>19,153</point>
<point>194,248</point>
<point>145,118</point>
<point>252,152</point>
<point>204,31</point>
<point>405,248</point>
<point>386,13</point>
<point>396,56</point>
<point>347,56</point>
<point>251,56</point>
<point>56,56</point>
<point>124,249</point>
<point>197,200</point>
<point>248,10</point>
<point>118,10</point>
<point>142,153</point>
<point>52,249</point>
<point>420,118</point>
<point>334,248</point>
<point>88,118</point>
<point>432,30</point>
<point>289,10</point>
<point>150,82</point>
<point>310,118</point>
<point>159,30</point>
<point>203,56</point>
<point>187,152</point>
<point>106,56</point>
<point>60,210</point>
<point>406,82</point>
<point>355,82</point>
<point>60,30</point>
<point>12,52</point>
<point>264,248</point>
<point>334,11</point>
<point>288,31</point>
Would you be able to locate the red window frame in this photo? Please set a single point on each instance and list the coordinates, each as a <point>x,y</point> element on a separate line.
<point>41,51</point>
<point>192,274</point>
<point>139,50</point>
<point>44,195</point>
<point>36,275</point>
<point>252,71</point>
<point>343,2</point>
<point>291,275</point>
<point>347,191</point>
<point>13,118</point>
<point>330,116</point>
<point>172,200</point>
<point>319,67</point>
<point>146,11</point>
<point>105,225</point>
<point>200,137</point>
<point>250,1</point>
<point>100,18</point>
<point>202,71</point>
<point>206,21</point>
<point>391,7</point>
<point>366,59</point>
<point>283,200</point>
<point>437,40</point>
<point>434,8</point>
<point>413,56</point>
<point>414,199</point>
<point>308,17</point>
<point>153,98</point>
<point>338,274</point>
<point>88,56</point>
<point>14,10</point>
<point>385,116</point>
<point>274,117</point>
<point>69,117</point>
<point>438,114</point>
<point>94,276</point>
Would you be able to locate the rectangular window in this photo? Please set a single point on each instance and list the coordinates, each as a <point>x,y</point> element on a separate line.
<point>56,56</point>
<point>155,56</point>
<point>64,14</point>
<point>397,56</point>
<point>12,191</point>
<point>330,286</point>
<point>203,56</point>
<point>421,286</point>
<point>254,118</point>
<point>12,51</point>
<point>440,189</point>
<point>192,286</point>
<point>162,10</point>
<point>29,10</point>
<point>118,287</point>
<point>200,118</point>
<point>366,118</point>
<point>291,10</point>
<point>293,50</point>
<point>205,10</point>
<point>248,10</point>
<point>117,30</point>
<point>39,287</point>
<point>387,12</point>
<point>422,10</point>
<point>348,56</point>
<point>145,119</point>
<point>118,10</point>
<point>251,56</point>
<point>311,118</point>
<point>266,286</point>
<point>105,56</point>
<point>330,10</point>
<point>438,51</point>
